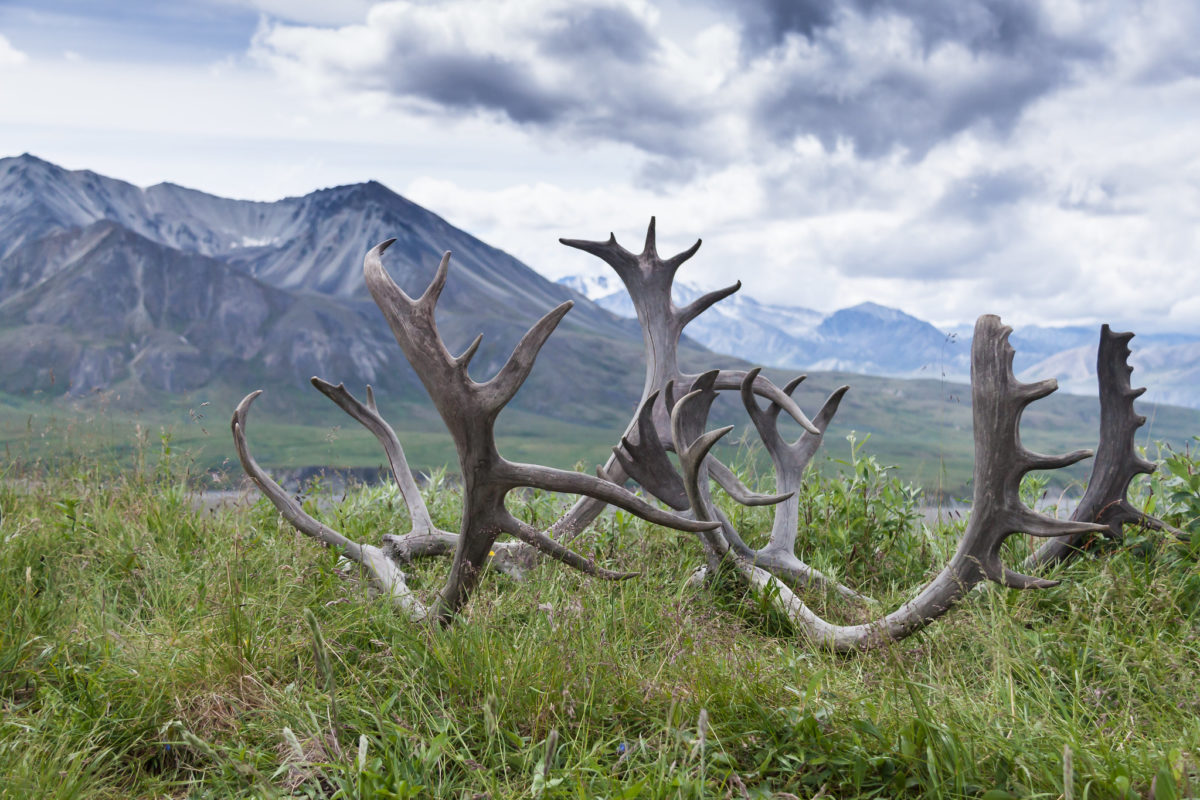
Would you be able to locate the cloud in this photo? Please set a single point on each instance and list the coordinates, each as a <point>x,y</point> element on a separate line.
<point>980,196</point>
<point>886,75</point>
<point>9,55</point>
<point>594,69</point>
<point>879,75</point>
<point>1032,160</point>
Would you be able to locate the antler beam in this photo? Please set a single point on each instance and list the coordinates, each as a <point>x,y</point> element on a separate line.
<point>998,399</point>
<point>469,409</point>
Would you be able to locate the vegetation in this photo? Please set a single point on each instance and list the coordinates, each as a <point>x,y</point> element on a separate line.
<point>923,427</point>
<point>150,647</point>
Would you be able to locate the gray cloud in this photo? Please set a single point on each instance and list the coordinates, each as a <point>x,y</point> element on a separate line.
<point>838,92</point>
<point>581,33</point>
<point>981,196</point>
<point>880,76</point>
<point>1006,26</point>
<point>588,68</point>
<point>466,81</point>
<point>766,23</point>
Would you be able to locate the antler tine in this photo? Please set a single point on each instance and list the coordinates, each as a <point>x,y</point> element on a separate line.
<point>650,249</point>
<point>501,388</point>
<point>624,262</point>
<point>385,575</point>
<point>434,290</point>
<point>705,302</point>
<point>728,480</point>
<point>368,415</point>
<point>1117,459</point>
<point>464,361</point>
<point>773,409</point>
<point>676,261</point>
<point>762,422</point>
<point>379,283</point>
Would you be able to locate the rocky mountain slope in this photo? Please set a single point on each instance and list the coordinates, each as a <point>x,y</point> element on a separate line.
<point>152,292</point>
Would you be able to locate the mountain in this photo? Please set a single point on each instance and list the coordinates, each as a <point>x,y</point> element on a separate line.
<point>140,301</point>
<point>101,306</point>
<point>148,293</point>
<point>868,339</point>
<point>1170,371</point>
<point>872,339</point>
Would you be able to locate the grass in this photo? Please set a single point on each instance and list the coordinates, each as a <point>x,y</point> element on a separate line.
<point>148,649</point>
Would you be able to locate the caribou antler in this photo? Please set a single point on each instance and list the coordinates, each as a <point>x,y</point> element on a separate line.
<point>649,280</point>
<point>998,400</point>
<point>1117,460</point>
<point>384,574</point>
<point>469,409</point>
<point>789,459</point>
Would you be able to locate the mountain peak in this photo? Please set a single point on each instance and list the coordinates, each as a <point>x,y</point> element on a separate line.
<point>28,158</point>
<point>879,312</point>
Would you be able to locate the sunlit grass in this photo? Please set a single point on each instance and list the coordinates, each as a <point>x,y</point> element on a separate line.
<point>150,650</point>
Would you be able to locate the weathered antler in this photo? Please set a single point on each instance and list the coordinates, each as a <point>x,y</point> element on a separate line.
<point>789,460</point>
<point>1117,460</point>
<point>998,400</point>
<point>646,461</point>
<point>384,573</point>
<point>649,280</point>
<point>469,410</point>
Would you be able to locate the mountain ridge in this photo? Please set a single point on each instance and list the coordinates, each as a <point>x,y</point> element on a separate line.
<point>318,321</point>
<point>873,339</point>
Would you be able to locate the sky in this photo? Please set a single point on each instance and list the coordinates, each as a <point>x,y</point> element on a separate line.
<point>1037,160</point>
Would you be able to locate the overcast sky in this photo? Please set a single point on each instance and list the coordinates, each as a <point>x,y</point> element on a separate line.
<point>1039,160</point>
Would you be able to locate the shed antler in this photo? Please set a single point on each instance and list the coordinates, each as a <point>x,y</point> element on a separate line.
<point>469,409</point>
<point>998,399</point>
<point>1117,460</point>
<point>790,460</point>
<point>649,279</point>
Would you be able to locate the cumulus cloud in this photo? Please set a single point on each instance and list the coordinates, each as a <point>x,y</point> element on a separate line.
<point>947,157</point>
<point>877,74</point>
<point>596,69</point>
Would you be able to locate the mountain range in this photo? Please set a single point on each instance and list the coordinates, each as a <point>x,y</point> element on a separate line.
<point>871,339</point>
<point>165,297</point>
<point>149,293</point>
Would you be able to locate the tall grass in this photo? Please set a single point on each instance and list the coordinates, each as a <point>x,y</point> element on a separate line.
<point>148,649</point>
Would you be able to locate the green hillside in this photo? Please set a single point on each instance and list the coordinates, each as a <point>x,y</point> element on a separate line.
<point>923,427</point>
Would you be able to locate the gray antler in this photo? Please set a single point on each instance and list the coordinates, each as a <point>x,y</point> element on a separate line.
<point>384,573</point>
<point>998,400</point>
<point>789,459</point>
<point>649,279</point>
<point>469,409</point>
<point>1117,460</point>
